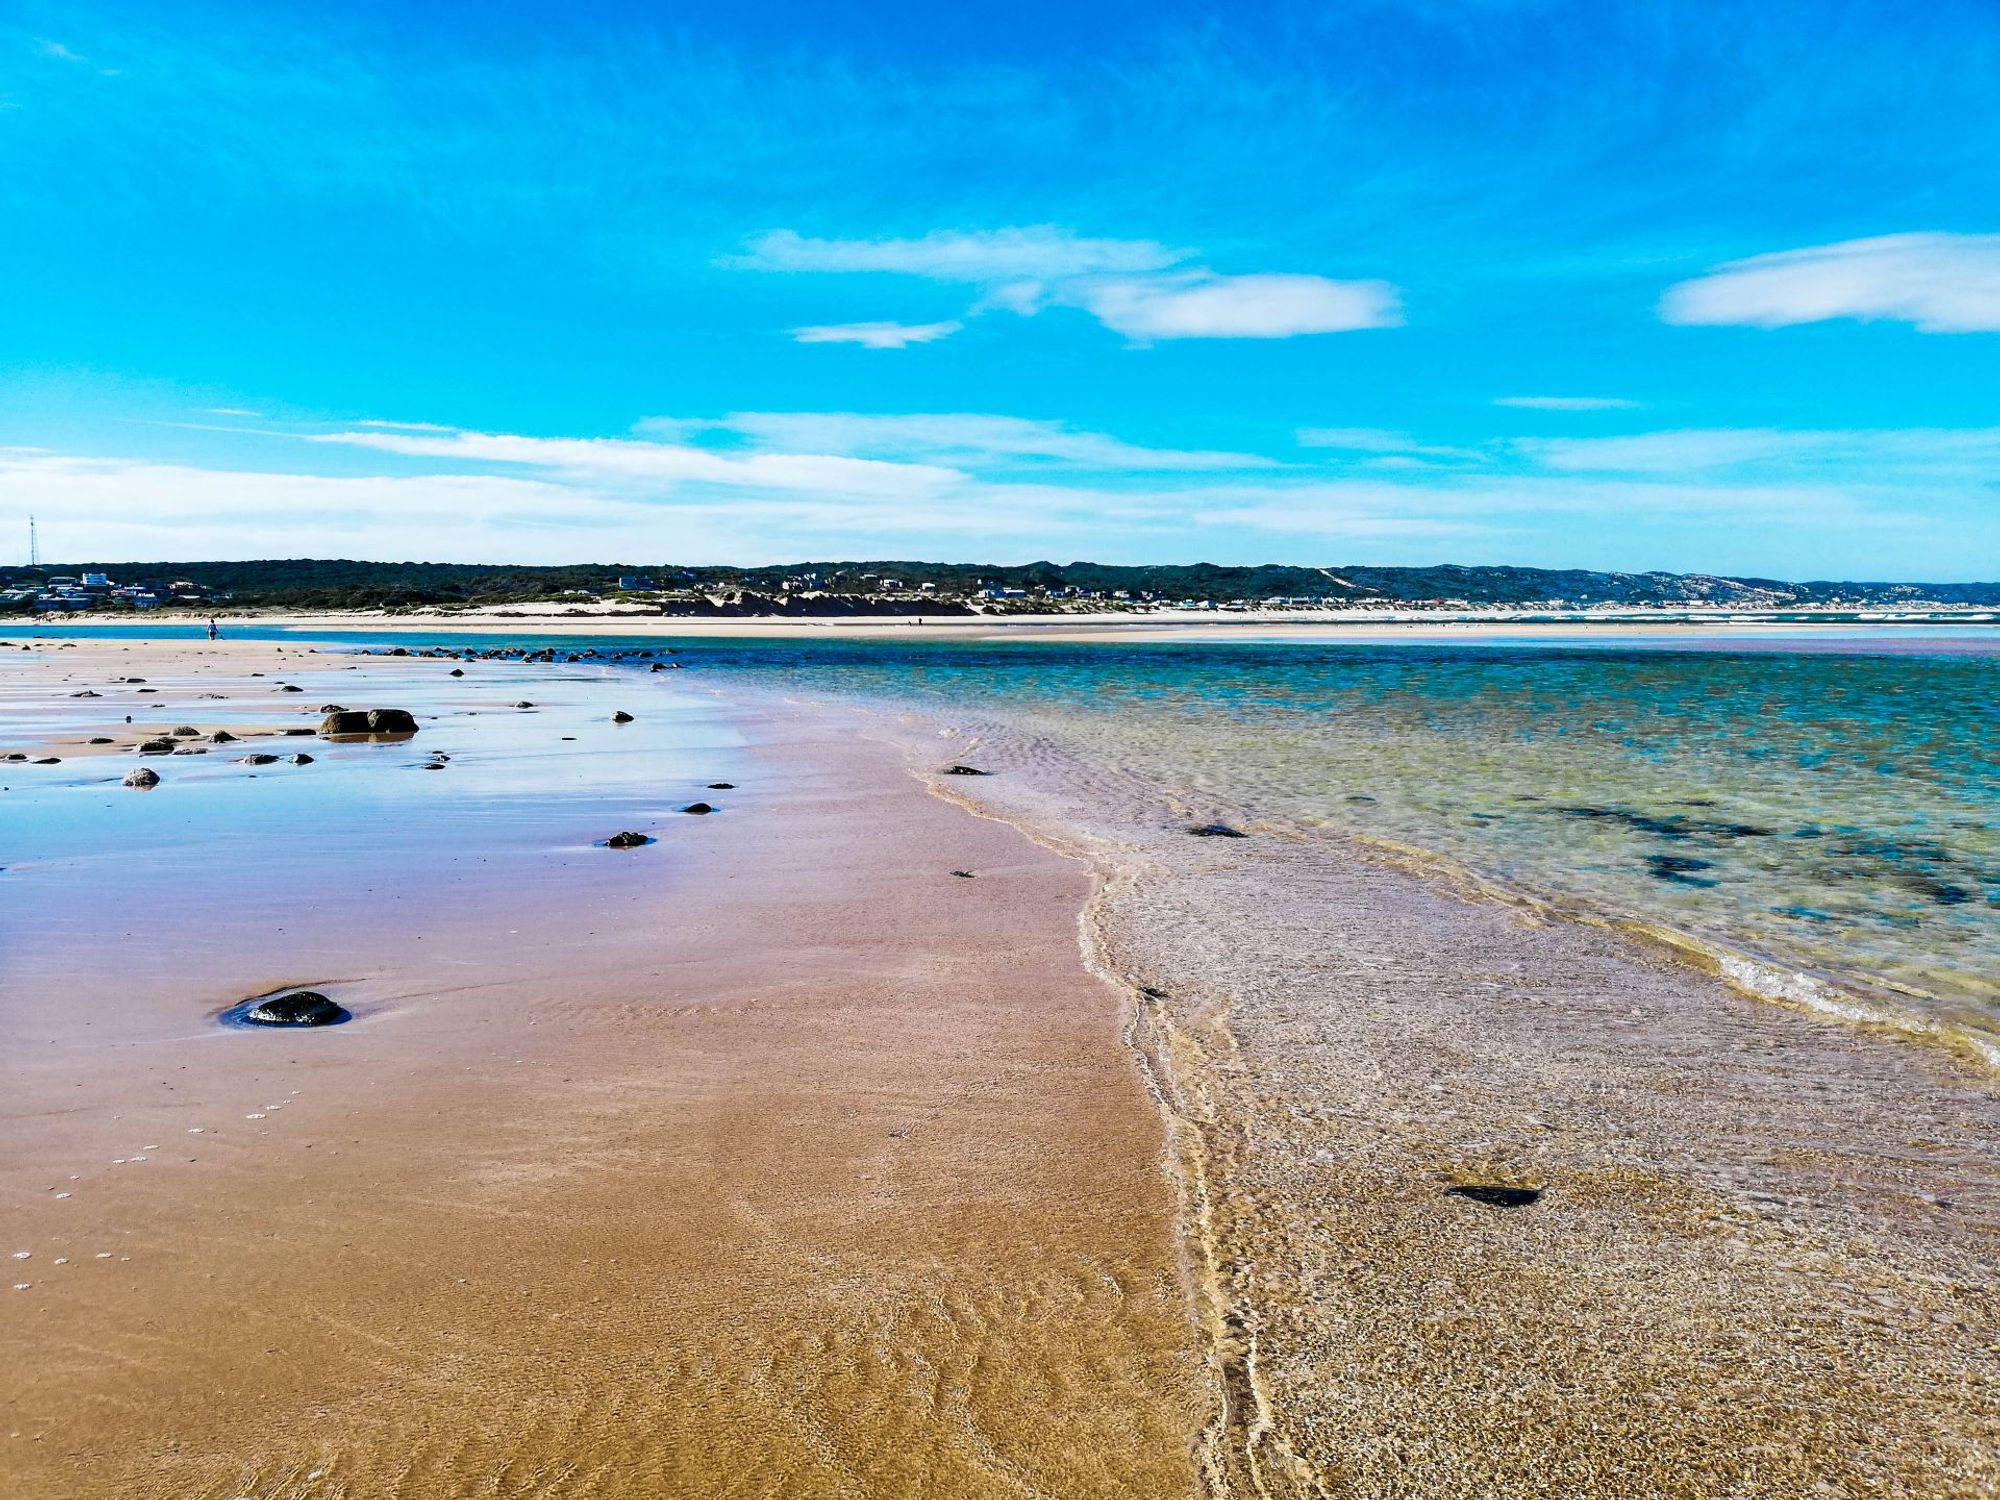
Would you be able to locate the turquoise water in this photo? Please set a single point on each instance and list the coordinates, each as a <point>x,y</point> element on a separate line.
<point>1831,802</point>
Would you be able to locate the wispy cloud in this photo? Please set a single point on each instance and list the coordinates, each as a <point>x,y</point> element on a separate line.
<point>1566,403</point>
<point>1939,283</point>
<point>1139,288</point>
<point>963,439</point>
<point>876,335</point>
<point>1206,306</point>
<point>1038,252</point>
<point>1856,456</point>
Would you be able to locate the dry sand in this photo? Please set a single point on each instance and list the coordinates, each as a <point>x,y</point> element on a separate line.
<point>772,1159</point>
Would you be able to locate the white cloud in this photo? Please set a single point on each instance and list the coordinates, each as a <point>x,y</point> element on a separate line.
<point>1139,288</point>
<point>56,49</point>
<point>1567,403</point>
<point>231,411</point>
<point>876,335</point>
<point>1940,283</point>
<point>1040,252</point>
<point>627,461</point>
<point>1206,306</point>
<point>1857,455</point>
<point>964,439</point>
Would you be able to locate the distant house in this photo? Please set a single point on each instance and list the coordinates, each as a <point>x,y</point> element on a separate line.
<point>632,581</point>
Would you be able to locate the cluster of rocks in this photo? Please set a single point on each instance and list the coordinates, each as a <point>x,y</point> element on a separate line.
<point>543,656</point>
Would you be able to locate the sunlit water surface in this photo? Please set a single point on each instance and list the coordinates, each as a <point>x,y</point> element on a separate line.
<point>1831,801</point>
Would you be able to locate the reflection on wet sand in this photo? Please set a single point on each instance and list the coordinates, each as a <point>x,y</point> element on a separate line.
<point>768,1158</point>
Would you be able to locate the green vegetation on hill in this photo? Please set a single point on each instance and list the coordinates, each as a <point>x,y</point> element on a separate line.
<point>332,583</point>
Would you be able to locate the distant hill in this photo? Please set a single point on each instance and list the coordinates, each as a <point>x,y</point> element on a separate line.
<point>347,584</point>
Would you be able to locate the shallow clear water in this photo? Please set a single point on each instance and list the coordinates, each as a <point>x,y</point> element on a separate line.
<point>1831,802</point>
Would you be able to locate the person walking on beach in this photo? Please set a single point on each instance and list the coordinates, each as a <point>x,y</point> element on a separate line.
<point>212,631</point>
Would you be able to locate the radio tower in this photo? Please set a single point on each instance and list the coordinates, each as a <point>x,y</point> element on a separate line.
<point>34,545</point>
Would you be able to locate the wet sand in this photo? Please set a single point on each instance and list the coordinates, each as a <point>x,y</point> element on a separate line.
<point>770,1159</point>
<point>775,1159</point>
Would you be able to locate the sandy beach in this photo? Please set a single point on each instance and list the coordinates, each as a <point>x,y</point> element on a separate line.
<point>771,1158</point>
<point>777,1158</point>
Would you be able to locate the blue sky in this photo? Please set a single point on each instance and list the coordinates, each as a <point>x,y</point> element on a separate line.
<point>1694,286</point>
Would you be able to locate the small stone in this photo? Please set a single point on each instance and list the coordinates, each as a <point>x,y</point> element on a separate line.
<point>298,1008</point>
<point>722,786</point>
<point>964,771</point>
<point>621,717</point>
<point>142,778</point>
<point>697,807</point>
<point>259,760</point>
<point>1217,831</point>
<point>626,840</point>
<point>1494,1195</point>
<point>222,737</point>
<point>300,760</point>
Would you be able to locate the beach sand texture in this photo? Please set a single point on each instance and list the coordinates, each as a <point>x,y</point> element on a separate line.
<point>775,1159</point>
<point>771,1159</point>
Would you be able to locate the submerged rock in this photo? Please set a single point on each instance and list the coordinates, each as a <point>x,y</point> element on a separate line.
<point>259,760</point>
<point>221,737</point>
<point>697,807</point>
<point>300,760</point>
<point>299,1008</point>
<point>143,778</point>
<point>1494,1195</point>
<point>160,746</point>
<point>626,840</point>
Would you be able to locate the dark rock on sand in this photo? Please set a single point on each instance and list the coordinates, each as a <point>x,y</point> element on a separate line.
<point>142,778</point>
<point>1494,1195</point>
<point>187,732</point>
<point>458,671</point>
<point>621,717</point>
<point>300,760</point>
<point>162,746</point>
<point>722,786</point>
<point>524,703</point>
<point>222,737</point>
<point>368,721</point>
<point>965,874</point>
<point>963,771</point>
<point>626,840</point>
<point>1216,831</point>
<point>299,1008</point>
<point>697,807</point>
<point>100,739</point>
<point>86,693</point>
<point>288,688</point>
<point>292,732</point>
